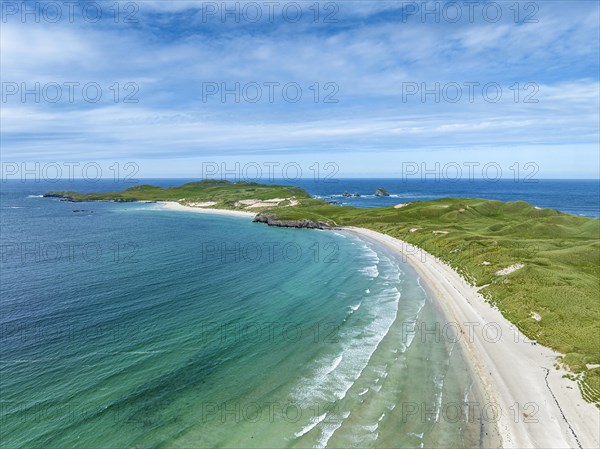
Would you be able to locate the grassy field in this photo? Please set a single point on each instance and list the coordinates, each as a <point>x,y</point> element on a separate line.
<point>224,193</point>
<point>553,299</point>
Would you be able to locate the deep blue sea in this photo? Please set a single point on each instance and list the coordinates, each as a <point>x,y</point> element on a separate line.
<point>578,197</point>
<point>129,325</point>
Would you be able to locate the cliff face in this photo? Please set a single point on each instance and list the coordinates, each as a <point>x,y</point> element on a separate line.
<point>270,220</point>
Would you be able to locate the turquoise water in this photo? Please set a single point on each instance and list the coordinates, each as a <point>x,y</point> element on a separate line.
<point>127,325</point>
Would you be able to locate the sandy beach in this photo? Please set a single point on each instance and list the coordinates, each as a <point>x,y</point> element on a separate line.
<point>538,407</point>
<point>173,205</point>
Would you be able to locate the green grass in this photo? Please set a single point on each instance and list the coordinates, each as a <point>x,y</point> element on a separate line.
<point>560,279</point>
<point>224,193</point>
<point>589,385</point>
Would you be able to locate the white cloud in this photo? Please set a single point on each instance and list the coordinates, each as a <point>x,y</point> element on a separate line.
<point>368,59</point>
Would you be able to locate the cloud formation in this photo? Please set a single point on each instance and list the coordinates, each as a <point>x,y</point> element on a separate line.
<point>356,82</point>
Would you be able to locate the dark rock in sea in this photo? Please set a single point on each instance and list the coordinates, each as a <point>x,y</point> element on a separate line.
<point>381,192</point>
<point>271,220</point>
<point>356,194</point>
<point>346,194</point>
<point>53,195</point>
<point>335,203</point>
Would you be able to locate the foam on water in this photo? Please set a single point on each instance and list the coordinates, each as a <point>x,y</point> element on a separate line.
<point>387,293</point>
<point>368,253</point>
<point>466,401</point>
<point>409,324</point>
<point>371,428</point>
<point>334,374</point>
<point>313,423</point>
<point>370,271</point>
<point>335,364</point>
<point>328,431</point>
<point>419,436</point>
<point>372,259</point>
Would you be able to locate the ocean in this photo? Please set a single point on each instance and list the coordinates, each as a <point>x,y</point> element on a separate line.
<point>129,325</point>
<point>577,197</point>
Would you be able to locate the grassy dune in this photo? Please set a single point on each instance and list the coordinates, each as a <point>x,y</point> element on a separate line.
<point>553,298</point>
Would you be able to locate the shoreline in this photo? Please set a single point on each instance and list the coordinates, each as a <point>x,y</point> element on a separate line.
<point>488,430</point>
<point>175,206</point>
<point>539,408</point>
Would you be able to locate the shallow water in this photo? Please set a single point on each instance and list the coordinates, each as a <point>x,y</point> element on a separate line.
<point>124,325</point>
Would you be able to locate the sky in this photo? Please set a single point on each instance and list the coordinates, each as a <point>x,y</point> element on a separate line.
<point>372,87</point>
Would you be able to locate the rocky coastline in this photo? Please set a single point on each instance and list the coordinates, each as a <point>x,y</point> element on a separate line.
<point>304,223</point>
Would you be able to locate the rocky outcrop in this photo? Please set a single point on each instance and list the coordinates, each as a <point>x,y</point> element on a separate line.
<point>55,195</point>
<point>271,220</point>
<point>381,192</point>
<point>62,196</point>
<point>70,197</point>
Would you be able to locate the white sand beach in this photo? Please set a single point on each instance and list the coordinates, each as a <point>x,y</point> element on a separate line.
<point>538,407</point>
<point>173,205</point>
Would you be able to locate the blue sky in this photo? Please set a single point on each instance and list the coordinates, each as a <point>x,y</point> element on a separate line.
<point>365,58</point>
